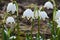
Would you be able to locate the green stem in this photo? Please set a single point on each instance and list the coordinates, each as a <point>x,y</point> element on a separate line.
<point>27,36</point>
<point>54,10</point>
<point>16,7</point>
<point>39,25</point>
<point>3,26</point>
<point>38,28</point>
<point>35,10</point>
<point>53,30</point>
<point>32,28</point>
<point>54,13</point>
<point>18,31</point>
<point>58,34</point>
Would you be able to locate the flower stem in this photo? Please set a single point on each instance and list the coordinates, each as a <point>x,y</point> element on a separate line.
<point>53,29</point>
<point>32,28</point>
<point>18,31</point>
<point>3,34</point>
<point>38,28</point>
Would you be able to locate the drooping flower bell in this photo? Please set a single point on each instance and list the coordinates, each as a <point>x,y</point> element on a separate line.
<point>11,7</point>
<point>43,15</point>
<point>57,14</point>
<point>48,5</point>
<point>10,20</point>
<point>28,13</point>
<point>58,22</point>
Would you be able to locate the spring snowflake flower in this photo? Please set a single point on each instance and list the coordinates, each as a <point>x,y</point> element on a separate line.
<point>11,8</point>
<point>43,15</point>
<point>48,5</point>
<point>10,20</point>
<point>57,14</point>
<point>58,22</point>
<point>28,13</point>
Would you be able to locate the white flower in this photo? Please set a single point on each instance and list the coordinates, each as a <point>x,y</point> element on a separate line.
<point>48,5</point>
<point>10,20</point>
<point>11,7</point>
<point>57,14</point>
<point>12,37</point>
<point>43,15</point>
<point>28,14</point>
<point>58,22</point>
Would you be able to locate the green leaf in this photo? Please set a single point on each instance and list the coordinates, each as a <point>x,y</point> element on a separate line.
<point>5,37</point>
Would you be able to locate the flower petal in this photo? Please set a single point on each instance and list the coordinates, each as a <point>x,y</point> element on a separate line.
<point>48,5</point>
<point>11,7</point>
<point>10,20</point>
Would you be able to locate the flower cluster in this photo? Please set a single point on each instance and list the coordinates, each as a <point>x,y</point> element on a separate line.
<point>29,14</point>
